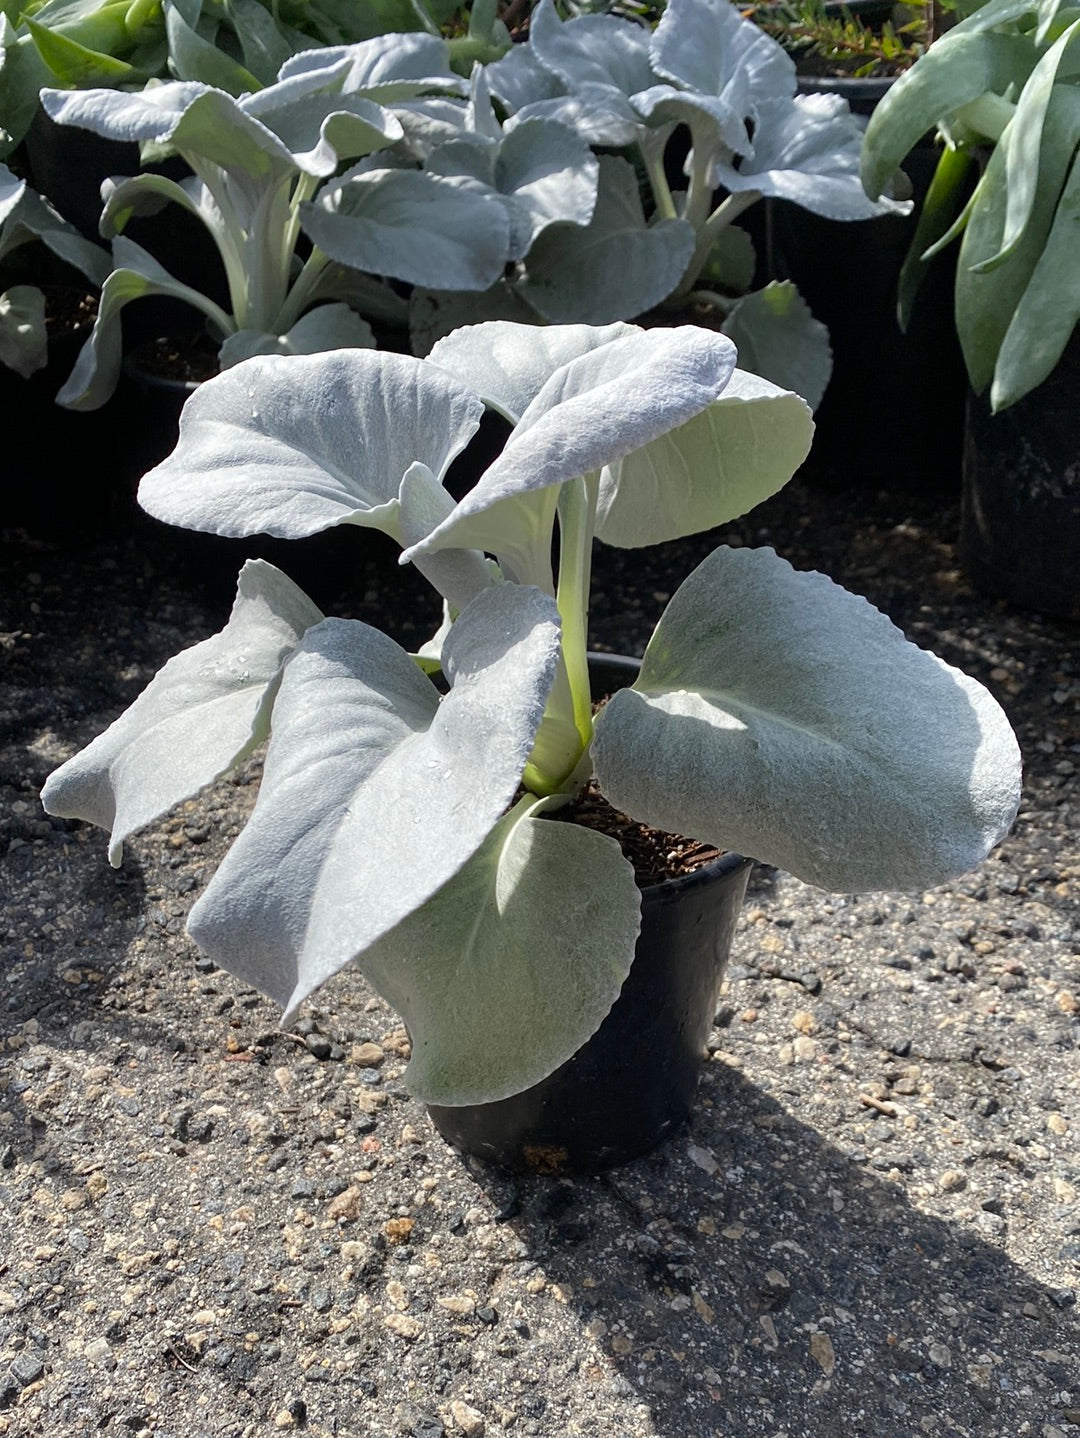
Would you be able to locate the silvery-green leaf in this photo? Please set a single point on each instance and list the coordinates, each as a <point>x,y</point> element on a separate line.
<point>591,50</point>
<point>541,170</point>
<point>144,194</point>
<point>709,49</point>
<point>150,114</point>
<point>594,410</point>
<point>741,449</point>
<point>329,327</point>
<point>26,216</point>
<point>518,79</point>
<point>806,150</point>
<point>23,338</point>
<point>545,910</point>
<point>778,715</point>
<point>987,298</point>
<point>386,68</point>
<point>265,44</point>
<point>200,715</point>
<point>420,228</point>
<point>12,190</point>
<point>509,364</point>
<point>731,262</point>
<point>321,130</point>
<point>778,337</point>
<point>1024,136</point>
<point>616,267</point>
<point>435,314</point>
<point>1049,308</point>
<point>457,574</point>
<point>428,122</point>
<point>597,114</point>
<point>375,793</point>
<point>97,368</point>
<point>291,445</point>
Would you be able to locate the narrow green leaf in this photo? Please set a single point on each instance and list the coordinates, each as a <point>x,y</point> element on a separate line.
<point>940,209</point>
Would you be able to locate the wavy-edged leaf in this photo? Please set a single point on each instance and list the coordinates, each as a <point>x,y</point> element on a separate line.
<point>144,115</point>
<point>199,717</point>
<point>780,716</point>
<point>386,68</point>
<point>614,268</point>
<point>508,364</point>
<point>290,445</point>
<point>740,450</point>
<point>329,327</point>
<point>777,337</point>
<point>806,150</point>
<point>412,226</point>
<point>375,793</point>
<point>505,972</point>
<point>591,50</point>
<point>593,411</point>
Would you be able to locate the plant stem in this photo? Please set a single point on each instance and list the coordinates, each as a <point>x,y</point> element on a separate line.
<point>302,290</point>
<point>652,147</point>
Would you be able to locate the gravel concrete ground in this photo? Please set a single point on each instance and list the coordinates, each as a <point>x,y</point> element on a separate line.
<point>208,1227</point>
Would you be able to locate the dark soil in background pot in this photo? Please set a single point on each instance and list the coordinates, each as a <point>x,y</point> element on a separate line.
<point>869,1222</point>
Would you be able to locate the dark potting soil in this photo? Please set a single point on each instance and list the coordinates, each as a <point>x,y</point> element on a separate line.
<point>656,856</point>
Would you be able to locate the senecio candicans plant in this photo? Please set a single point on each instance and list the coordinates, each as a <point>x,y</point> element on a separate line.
<point>1003,88</point>
<point>266,169</point>
<point>400,825</point>
<point>626,89</point>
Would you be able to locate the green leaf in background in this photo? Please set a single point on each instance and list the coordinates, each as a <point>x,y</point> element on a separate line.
<point>940,209</point>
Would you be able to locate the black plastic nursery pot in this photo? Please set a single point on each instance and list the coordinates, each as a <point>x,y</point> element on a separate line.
<point>1020,508</point>
<point>893,413</point>
<point>633,1082</point>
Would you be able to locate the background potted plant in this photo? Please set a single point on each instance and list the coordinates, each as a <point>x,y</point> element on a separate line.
<point>679,254</point>
<point>1002,90</point>
<point>402,827</point>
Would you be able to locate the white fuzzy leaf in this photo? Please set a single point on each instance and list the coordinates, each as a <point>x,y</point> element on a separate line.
<point>780,716</point>
<point>740,450</point>
<point>199,716</point>
<point>291,445</point>
<point>545,911</point>
<point>375,792</point>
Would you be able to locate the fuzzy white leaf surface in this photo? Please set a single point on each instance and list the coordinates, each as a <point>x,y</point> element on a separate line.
<point>780,716</point>
<point>741,449</point>
<point>376,791</point>
<point>199,716</point>
<point>292,445</point>
<point>807,150</point>
<point>505,972</point>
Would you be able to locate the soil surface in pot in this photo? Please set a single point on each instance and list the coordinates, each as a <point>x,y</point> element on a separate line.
<point>209,1226</point>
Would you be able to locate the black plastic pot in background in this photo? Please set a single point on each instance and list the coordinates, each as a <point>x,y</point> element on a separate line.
<point>61,472</point>
<point>893,414</point>
<point>633,1082</point>
<point>1020,509</point>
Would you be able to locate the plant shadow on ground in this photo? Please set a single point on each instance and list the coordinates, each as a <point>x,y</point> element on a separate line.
<point>750,1273</point>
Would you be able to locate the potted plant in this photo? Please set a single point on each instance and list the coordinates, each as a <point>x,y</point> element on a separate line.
<point>676,254</point>
<point>405,825</point>
<point>1001,90</point>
